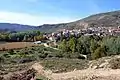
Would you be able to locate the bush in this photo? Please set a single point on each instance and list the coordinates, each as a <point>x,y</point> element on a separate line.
<point>6,55</point>
<point>25,60</point>
<point>43,55</point>
<point>59,55</point>
<point>99,52</point>
<point>11,51</point>
<point>1,59</point>
<point>67,55</point>
<point>50,55</point>
<point>21,59</point>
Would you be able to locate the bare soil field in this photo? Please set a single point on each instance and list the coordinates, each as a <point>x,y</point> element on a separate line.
<point>15,45</point>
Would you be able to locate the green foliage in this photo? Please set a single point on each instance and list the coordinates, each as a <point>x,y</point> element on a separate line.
<point>80,45</point>
<point>86,44</point>
<point>93,46</point>
<point>73,48</point>
<point>99,52</point>
<point>64,46</point>
<point>72,44</point>
<point>11,51</point>
<point>83,45</point>
<point>21,36</point>
<point>1,59</point>
<point>59,55</point>
<point>113,45</point>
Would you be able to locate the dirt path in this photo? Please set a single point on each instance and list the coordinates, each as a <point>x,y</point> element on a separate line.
<point>88,74</point>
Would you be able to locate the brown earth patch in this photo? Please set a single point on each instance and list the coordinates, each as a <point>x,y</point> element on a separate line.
<point>15,45</point>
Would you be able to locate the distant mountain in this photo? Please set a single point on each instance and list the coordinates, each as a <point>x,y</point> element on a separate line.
<point>16,27</point>
<point>109,19</point>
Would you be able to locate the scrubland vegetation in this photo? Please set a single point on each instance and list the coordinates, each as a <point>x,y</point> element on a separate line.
<point>69,55</point>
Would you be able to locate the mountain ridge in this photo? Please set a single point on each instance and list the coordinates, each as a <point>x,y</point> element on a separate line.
<point>108,19</point>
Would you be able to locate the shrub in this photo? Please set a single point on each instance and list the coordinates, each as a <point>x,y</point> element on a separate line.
<point>6,55</point>
<point>11,51</point>
<point>25,60</point>
<point>59,55</point>
<point>50,55</point>
<point>26,52</point>
<point>43,55</point>
<point>67,55</point>
<point>99,52</point>
<point>1,59</point>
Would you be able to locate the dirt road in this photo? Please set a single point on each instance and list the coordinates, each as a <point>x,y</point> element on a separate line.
<point>88,74</point>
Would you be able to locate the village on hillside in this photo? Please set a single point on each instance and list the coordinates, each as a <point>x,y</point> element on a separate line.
<point>99,31</point>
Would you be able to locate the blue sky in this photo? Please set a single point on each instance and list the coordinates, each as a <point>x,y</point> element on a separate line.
<point>37,12</point>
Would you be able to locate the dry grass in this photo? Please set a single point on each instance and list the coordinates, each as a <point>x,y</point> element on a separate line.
<point>15,45</point>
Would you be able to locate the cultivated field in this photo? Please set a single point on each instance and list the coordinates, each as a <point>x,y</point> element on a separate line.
<point>15,45</point>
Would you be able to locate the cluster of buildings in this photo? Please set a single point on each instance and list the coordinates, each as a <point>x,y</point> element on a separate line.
<point>100,31</point>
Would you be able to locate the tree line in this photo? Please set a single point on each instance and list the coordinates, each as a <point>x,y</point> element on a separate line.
<point>93,46</point>
<point>22,36</point>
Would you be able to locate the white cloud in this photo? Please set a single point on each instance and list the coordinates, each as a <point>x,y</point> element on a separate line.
<point>29,19</point>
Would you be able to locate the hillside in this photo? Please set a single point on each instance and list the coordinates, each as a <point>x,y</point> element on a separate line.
<point>16,27</point>
<point>109,19</point>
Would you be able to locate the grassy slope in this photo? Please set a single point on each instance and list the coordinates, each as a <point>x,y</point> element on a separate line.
<point>22,59</point>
